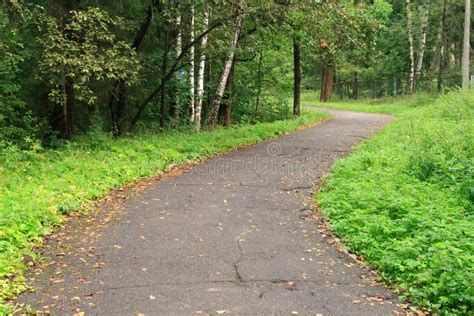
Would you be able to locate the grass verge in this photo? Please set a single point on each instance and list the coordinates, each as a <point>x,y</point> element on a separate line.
<point>404,200</point>
<point>37,188</point>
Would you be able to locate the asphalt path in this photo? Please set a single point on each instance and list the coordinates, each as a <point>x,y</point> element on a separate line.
<point>234,235</point>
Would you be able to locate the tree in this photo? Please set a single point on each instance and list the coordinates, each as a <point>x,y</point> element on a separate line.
<point>227,67</point>
<point>179,50</point>
<point>81,51</point>
<point>191,68</point>
<point>297,77</point>
<point>466,45</point>
<point>424,13</point>
<point>202,67</point>
<point>118,93</point>
<point>411,84</point>
<point>328,73</point>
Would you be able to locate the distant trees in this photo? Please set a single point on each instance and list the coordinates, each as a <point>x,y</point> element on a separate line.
<point>416,61</point>
<point>406,47</point>
<point>79,49</point>
<point>146,64</point>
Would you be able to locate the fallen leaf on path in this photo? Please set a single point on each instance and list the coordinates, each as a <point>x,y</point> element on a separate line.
<point>376,298</point>
<point>99,265</point>
<point>58,281</point>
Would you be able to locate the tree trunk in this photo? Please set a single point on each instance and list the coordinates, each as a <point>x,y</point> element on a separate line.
<point>175,105</point>
<point>328,81</point>
<point>466,46</point>
<point>164,64</point>
<point>202,67</point>
<point>411,82</point>
<point>442,60</point>
<point>228,103</point>
<point>228,64</point>
<point>296,77</point>
<point>191,69</point>
<point>421,50</point>
<point>259,84</point>
<point>355,85</point>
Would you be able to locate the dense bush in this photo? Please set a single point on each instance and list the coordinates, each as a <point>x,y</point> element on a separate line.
<point>404,201</point>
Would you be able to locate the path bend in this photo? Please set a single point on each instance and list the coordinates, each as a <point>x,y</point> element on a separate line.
<point>234,235</point>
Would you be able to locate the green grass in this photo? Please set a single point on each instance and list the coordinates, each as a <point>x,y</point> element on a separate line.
<point>404,200</point>
<point>388,105</point>
<point>38,187</point>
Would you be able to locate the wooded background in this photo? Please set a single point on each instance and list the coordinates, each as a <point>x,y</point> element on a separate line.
<point>82,66</point>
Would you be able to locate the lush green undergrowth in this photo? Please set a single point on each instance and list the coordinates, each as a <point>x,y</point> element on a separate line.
<point>38,187</point>
<point>404,200</point>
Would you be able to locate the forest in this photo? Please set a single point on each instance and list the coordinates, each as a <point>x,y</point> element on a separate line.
<point>96,95</point>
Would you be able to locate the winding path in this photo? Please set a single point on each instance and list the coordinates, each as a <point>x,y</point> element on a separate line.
<point>233,235</point>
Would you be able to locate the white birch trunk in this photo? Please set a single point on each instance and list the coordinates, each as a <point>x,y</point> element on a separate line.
<point>225,73</point>
<point>191,70</point>
<point>200,79</point>
<point>466,46</point>
<point>410,43</point>
<point>179,48</point>
<point>421,49</point>
<point>179,44</point>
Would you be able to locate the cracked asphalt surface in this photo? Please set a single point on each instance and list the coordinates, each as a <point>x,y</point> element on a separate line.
<point>233,235</point>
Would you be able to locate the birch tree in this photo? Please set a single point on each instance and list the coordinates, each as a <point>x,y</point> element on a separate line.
<point>411,82</point>
<point>175,109</point>
<point>200,79</point>
<point>424,13</point>
<point>191,68</point>
<point>466,46</point>
<point>225,73</point>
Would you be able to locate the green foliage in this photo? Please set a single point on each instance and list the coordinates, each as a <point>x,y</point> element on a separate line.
<point>85,50</point>
<point>38,187</point>
<point>17,124</point>
<point>404,201</point>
